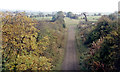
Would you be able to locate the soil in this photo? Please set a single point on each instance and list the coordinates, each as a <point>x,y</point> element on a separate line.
<point>70,61</point>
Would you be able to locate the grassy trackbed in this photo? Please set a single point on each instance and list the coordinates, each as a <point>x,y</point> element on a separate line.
<point>69,21</point>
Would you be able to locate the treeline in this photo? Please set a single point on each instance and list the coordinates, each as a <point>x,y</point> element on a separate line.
<point>71,15</point>
<point>102,40</point>
<point>29,44</point>
<point>54,14</point>
<point>39,15</point>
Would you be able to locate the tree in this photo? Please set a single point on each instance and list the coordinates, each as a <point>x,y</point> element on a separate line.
<point>21,48</point>
<point>99,14</point>
<point>85,16</point>
<point>104,26</point>
<point>71,15</point>
<point>59,15</point>
<point>112,16</point>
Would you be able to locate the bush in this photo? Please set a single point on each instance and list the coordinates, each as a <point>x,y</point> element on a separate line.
<point>104,27</point>
<point>105,53</point>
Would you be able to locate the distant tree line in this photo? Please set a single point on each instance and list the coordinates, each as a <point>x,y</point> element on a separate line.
<point>71,15</point>
<point>40,15</point>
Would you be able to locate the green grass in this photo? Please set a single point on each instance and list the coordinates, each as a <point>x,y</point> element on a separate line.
<point>80,47</point>
<point>69,21</point>
<point>42,18</point>
<point>90,18</point>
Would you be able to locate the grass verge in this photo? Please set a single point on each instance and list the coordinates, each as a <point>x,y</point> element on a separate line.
<point>81,49</point>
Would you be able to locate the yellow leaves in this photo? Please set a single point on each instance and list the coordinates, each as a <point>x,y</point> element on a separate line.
<point>5,40</point>
<point>18,56</point>
<point>114,33</point>
<point>11,67</point>
<point>26,40</point>
<point>4,45</point>
<point>33,39</point>
<point>34,62</point>
<point>34,46</point>
<point>35,34</point>
<point>21,67</point>
<point>22,35</point>
<point>8,17</point>
<point>114,46</point>
<point>14,42</point>
<point>109,37</point>
<point>44,62</point>
<point>20,44</point>
<point>31,23</point>
<point>46,37</point>
<point>30,41</point>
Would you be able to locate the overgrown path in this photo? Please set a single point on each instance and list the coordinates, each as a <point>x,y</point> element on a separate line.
<point>70,60</point>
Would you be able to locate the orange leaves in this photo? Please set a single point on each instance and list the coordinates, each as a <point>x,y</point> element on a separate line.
<point>97,63</point>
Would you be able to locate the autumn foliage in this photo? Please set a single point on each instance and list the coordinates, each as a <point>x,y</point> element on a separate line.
<point>23,49</point>
<point>103,44</point>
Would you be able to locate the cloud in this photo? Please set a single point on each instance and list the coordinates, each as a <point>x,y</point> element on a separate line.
<point>64,5</point>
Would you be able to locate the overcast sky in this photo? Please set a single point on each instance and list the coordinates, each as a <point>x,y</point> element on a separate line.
<point>61,5</point>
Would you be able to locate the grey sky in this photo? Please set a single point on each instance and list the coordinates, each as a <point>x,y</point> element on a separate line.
<point>64,5</point>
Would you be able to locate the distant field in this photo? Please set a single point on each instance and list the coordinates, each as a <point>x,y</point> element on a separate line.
<point>42,18</point>
<point>90,18</point>
<point>69,21</point>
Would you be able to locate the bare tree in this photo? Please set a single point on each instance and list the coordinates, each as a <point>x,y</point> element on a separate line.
<point>85,16</point>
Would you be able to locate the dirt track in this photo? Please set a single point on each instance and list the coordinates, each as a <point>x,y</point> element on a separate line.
<point>70,60</point>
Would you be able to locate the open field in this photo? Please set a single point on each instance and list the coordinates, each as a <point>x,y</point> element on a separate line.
<point>42,18</point>
<point>68,20</point>
<point>90,18</point>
